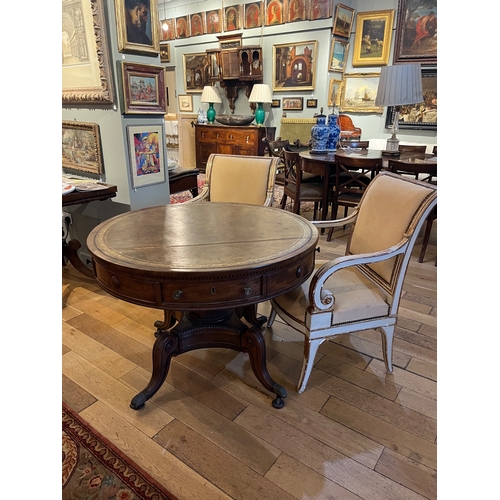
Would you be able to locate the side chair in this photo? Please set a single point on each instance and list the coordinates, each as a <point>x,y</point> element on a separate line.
<point>407,148</point>
<point>361,290</point>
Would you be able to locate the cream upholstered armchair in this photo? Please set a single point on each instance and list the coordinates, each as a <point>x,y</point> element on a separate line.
<point>239,179</point>
<point>361,290</point>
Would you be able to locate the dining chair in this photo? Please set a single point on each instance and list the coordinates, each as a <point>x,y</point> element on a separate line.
<point>354,144</point>
<point>435,150</point>
<point>361,290</point>
<point>407,148</point>
<point>425,172</point>
<point>239,179</point>
<point>294,186</point>
<point>352,176</point>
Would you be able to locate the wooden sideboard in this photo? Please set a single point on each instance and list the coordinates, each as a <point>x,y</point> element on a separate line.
<point>225,139</point>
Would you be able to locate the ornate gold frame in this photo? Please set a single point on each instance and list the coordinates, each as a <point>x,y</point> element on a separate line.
<point>81,147</point>
<point>366,82</point>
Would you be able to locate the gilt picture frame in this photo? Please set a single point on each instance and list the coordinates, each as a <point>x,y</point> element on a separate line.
<point>185,103</point>
<point>358,93</point>
<point>343,20</point>
<point>144,90</point>
<point>372,43</point>
<point>334,88</point>
<point>338,55</point>
<point>416,32</point>
<point>294,66</point>
<point>146,154</point>
<point>87,79</point>
<point>164,52</point>
<point>138,38</point>
<point>81,147</point>
<point>194,72</point>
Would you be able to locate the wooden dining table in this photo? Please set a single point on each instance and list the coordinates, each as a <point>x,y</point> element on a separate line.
<point>324,165</point>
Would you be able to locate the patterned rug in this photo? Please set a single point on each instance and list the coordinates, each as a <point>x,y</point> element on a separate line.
<point>94,469</point>
<point>278,194</point>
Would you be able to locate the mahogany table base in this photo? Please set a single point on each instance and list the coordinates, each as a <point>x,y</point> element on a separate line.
<point>202,329</point>
<point>69,251</point>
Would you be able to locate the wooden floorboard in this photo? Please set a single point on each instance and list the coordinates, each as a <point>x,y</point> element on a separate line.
<point>211,432</point>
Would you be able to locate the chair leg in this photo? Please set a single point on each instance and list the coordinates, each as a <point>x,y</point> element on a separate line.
<point>427,234</point>
<point>387,338</point>
<point>310,350</point>
<point>283,201</point>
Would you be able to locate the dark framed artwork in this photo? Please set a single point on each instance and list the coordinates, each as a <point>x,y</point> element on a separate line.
<point>182,27</point>
<point>275,103</point>
<point>143,89</point>
<point>293,103</point>
<point>232,19</point>
<point>274,12</point>
<point>320,9</point>
<point>342,23</point>
<point>137,27</point>
<point>312,103</point>
<point>195,72</point>
<point>297,11</point>
<point>214,21</point>
<point>164,52</point>
<point>253,15</point>
<point>421,116</point>
<point>197,23</point>
<point>372,43</point>
<point>146,154</point>
<point>87,79</point>
<point>294,66</point>
<point>81,147</point>
<point>416,32</point>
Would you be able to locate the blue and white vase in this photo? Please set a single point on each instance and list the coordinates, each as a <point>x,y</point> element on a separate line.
<point>319,134</point>
<point>333,133</point>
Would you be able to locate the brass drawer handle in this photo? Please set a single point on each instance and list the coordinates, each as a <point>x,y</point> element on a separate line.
<point>177,294</point>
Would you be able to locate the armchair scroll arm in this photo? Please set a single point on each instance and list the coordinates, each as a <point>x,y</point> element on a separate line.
<point>201,196</point>
<point>325,224</point>
<point>321,299</point>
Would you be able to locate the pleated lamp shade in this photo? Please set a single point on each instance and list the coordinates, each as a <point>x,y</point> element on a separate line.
<point>260,93</point>
<point>399,85</point>
<point>209,94</point>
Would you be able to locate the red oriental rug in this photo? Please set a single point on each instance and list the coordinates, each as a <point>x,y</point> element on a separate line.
<point>95,469</point>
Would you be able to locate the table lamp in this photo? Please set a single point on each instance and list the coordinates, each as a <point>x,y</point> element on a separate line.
<point>211,96</point>
<point>260,93</point>
<point>399,85</point>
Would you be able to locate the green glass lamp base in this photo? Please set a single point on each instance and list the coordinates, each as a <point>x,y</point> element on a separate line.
<point>260,114</point>
<point>211,113</point>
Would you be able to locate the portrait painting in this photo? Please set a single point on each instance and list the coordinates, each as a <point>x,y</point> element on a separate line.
<point>294,66</point>
<point>274,12</point>
<point>342,23</point>
<point>146,155</point>
<point>416,33</point>
<point>334,92</point>
<point>297,11</point>
<point>232,18</point>
<point>182,27</point>
<point>137,26</point>
<point>358,93</point>
<point>168,29</point>
<point>81,147</point>
<point>338,55</point>
<point>320,9</point>
<point>372,43</point>
<point>195,72</point>
<point>213,19</point>
<point>253,15</point>
<point>197,23</point>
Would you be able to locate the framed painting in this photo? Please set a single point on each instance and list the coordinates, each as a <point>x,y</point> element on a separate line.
<point>164,52</point>
<point>416,32</point>
<point>275,103</point>
<point>185,102</point>
<point>81,147</point>
<point>342,23</point>
<point>253,15</point>
<point>214,21</point>
<point>421,116</point>
<point>312,103</point>
<point>143,89</point>
<point>334,92</point>
<point>232,18</point>
<point>146,154</point>
<point>87,79</point>
<point>182,27</point>
<point>338,55</point>
<point>320,9</point>
<point>293,103</point>
<point>297,11</point>
<point>167,28</point>
<point>294,66</point>
<point>195,72</point>
<point>358,93</point>
<point>197,24</point>
<point>372,43</point>
<point>274,12</point>
<point>137,26</point>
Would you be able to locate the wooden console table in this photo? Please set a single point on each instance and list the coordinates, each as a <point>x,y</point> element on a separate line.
<point>211,262</point>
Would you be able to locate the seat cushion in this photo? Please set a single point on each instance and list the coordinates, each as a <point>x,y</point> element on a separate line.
<point>356,299</point>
